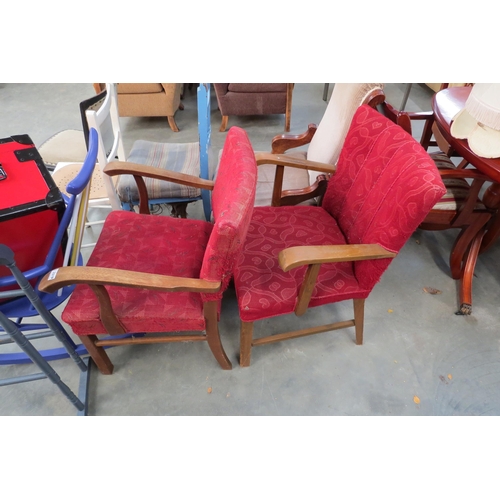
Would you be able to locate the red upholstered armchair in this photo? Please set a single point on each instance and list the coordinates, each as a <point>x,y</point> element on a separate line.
<point>150,274</point>
<point>297,257</point>
<point>254,99</point>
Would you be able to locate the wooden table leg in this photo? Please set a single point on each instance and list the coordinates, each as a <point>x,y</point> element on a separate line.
<point>465,307</point>
<point>491,199</point>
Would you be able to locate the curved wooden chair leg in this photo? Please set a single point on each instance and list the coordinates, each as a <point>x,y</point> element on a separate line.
<point>461,245</point>
<point>213,336</point>
<point>173,125</point>
<point>223,124</point>
<point>458,251</point>
<point>98,354</point>
<point>465,294</point>
<point>246,334</point>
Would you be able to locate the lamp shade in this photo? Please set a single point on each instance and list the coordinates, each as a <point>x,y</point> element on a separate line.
<point>479,120</point>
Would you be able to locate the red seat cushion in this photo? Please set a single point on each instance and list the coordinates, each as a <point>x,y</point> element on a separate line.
<point>164,245</point>
<point>263,289</point>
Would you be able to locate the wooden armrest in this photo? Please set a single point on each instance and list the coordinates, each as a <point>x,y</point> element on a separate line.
<point>65,276</point>
<point>293,257</point>
<point>291,161</point>
<point>284,142</point>
<point>97,277</point>
<point>140,171</point>
<point>314,256</point>
<point>136,169</point>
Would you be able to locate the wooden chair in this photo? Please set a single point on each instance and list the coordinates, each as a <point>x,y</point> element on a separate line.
<point>181,158</point>
<point>279,185</point>
<point>150,274</point>
<point>296,257</point>
<point>461,207</point>
<point>431,137</point>
<point>65,171</point>
<point>241,99</point>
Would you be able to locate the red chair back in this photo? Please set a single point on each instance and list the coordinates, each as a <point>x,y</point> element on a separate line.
<point>384,187</point>
<point>232,201</point>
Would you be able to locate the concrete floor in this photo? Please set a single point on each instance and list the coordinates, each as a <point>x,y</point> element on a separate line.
<point>418,357</point>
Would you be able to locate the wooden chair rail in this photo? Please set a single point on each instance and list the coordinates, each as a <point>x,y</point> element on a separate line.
<point>303,333</point>
<point>151,340</point>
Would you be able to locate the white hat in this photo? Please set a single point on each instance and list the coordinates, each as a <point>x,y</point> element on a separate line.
<point>479,120</point>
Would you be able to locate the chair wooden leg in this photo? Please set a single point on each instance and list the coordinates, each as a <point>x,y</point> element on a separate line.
<point>427,134</point>
<point>468,274</point>
<point>173,125</point>
<point>213,336</point>
<point>98,354</point>
<point>461,245</point>
<point>359,319</point>
<point>181,106</point>
<point>246,334</point>
<point>223,124</point>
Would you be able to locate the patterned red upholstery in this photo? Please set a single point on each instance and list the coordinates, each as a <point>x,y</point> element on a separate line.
<point>232,202</point>
<point>170,246</point>
<point>384,187</point>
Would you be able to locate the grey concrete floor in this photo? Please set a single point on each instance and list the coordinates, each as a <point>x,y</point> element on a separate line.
<point>418,357</point>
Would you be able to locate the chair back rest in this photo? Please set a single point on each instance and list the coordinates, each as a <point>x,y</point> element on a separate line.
<point>384,187</point>
<point>346,98</point>
<point>233,198</point>
<point>103,116</point>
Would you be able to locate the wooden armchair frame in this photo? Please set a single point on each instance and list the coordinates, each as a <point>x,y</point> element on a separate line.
<point>97,278</point>
<point>311,256</point>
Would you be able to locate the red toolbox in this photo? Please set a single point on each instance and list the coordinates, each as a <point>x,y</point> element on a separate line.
<point>31,204</point>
